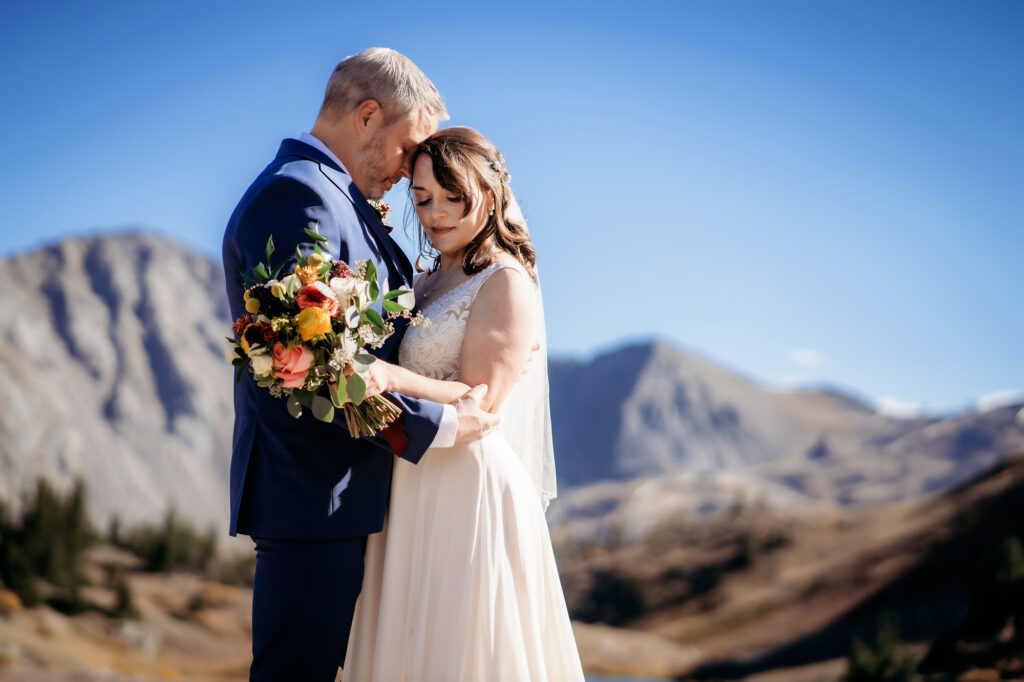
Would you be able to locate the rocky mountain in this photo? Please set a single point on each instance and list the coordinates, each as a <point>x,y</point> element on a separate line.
<point>648,432</point>
<point>114,371</point>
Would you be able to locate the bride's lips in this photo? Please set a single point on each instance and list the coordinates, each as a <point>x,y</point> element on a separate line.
<point>441,230</point>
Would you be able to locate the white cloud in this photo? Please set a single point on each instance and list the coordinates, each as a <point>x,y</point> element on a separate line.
<point>806,357</point>
<point>898,409</point>
<point>998,399</point>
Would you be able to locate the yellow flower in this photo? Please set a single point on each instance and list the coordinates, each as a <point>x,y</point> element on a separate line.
<point>243,342</point>
<point>252,305</point>
<point>278,290</point>
<point>307,274</point>
<point>312,322</point>
<point>315,260</point>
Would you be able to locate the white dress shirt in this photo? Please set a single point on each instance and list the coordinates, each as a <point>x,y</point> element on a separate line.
<point>449,427</point>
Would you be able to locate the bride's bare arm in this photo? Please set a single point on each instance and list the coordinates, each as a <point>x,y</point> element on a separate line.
<point>499,335</point>
<point>388,377</point>
<point>495,351</point>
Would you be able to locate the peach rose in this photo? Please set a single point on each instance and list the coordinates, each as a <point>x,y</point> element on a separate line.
<point>313,322</point>
<point>318,295</point>
<point>292,364</point>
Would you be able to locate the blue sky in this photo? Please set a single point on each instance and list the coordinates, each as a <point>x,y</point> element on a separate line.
<point>808,193</point>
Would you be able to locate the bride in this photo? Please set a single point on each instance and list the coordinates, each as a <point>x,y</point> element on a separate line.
<point>461,584</point>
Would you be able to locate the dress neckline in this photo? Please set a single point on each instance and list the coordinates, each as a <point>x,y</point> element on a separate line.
<point>471,278</point>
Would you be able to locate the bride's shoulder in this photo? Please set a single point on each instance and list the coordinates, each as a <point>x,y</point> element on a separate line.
<point>506,282</point>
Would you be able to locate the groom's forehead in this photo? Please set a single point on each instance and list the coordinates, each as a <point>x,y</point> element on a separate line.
<point>424,123</point>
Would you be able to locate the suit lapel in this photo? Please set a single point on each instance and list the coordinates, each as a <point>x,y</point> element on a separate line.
<point>343,181</point>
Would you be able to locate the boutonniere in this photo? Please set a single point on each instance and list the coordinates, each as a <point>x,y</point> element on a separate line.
<point>382,210</point>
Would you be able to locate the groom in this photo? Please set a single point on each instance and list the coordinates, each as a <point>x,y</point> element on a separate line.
<point>304,490</point>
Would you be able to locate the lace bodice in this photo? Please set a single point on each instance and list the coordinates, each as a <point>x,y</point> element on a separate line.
<point>434,351</point>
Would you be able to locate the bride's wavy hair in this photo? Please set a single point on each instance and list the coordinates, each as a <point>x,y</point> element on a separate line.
<point>461,158</point>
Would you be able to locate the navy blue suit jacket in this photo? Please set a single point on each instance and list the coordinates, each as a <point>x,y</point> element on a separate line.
<point>303,478</point>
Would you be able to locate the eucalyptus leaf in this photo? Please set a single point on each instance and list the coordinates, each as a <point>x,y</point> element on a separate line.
<point>305,397</point>
<point>362,362</point>
<point>322,409</point>
<point>356,388</point>
<point>407,299</point>
<point>375,319</point>
<point>339,393</point>
<point>294,406</point>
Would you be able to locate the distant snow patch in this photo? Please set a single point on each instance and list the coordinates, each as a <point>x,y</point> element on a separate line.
<point>898,409</point>
<point>997,399</point>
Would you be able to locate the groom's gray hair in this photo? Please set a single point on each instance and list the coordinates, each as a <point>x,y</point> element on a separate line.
<point>386,76</point>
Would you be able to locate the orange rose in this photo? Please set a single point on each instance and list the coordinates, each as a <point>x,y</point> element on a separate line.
<point>313,322</point>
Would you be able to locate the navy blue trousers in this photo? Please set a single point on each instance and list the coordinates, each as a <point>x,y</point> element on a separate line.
<point>302,605</point>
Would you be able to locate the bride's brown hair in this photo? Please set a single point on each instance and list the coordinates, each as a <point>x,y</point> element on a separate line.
<point>461,157</point>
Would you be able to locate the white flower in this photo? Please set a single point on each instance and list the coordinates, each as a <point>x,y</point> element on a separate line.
<point>262,364</point>
<point>291,285</point>
<point>346,289</point>
<point>229,351</point>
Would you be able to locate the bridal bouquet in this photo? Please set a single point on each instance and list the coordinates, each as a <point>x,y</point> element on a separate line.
<point>304,335</point>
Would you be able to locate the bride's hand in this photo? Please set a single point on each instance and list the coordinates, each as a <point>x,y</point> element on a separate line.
<point>378,378</point>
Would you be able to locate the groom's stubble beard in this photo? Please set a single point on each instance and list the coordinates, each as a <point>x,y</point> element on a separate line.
<point>371,164</point>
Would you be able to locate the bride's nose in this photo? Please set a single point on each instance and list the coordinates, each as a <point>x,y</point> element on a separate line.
<point>438,212</point>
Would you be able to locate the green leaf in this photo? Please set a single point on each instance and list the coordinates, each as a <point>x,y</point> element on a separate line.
<point>261,270</point>
<point>294,406</point>
<point>316,236</point>
<point>339,392</point>
<point>371,272</point>
<point>270,248</point>
<point>277,271</point>
<point>393,307</point>
<point>362,362</point>
<point>394,293</point>
<point>374,290</point>
<point>356,388</point>
<point>323,409</point>
<point>375,319</point>
<point>238,373</point>
<point>305,397</point>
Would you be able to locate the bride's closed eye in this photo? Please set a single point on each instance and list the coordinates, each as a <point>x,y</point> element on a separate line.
<point>454,200</point>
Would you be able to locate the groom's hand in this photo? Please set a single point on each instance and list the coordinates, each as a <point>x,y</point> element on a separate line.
<point>474,423</point>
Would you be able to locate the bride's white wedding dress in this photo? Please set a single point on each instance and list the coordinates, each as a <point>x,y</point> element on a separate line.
<point>461,585</point>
